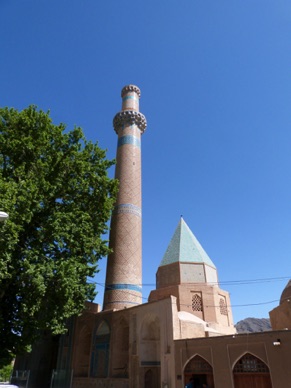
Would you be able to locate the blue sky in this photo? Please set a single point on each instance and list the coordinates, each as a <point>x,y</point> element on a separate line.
<point>216,91</point>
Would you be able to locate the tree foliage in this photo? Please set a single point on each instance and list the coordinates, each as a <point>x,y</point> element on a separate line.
<point>5,372</point>
<point>55,187</point>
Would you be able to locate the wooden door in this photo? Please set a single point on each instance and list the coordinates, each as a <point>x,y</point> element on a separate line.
<point>252,381</point>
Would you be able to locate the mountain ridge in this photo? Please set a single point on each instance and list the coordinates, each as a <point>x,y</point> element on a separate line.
<point>253,325</point>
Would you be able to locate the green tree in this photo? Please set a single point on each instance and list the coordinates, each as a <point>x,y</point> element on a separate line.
<point>55,187</point>
<point>5,372</point>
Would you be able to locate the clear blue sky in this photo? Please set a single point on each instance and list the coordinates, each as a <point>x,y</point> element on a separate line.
<point>215,78</point>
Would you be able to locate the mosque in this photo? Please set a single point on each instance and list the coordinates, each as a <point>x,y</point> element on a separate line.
<point>185,330</point>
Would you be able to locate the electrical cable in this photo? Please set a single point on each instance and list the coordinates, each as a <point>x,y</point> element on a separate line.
<point>205,306</point>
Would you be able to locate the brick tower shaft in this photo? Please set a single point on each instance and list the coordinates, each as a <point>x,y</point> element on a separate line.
<point>124,265</point>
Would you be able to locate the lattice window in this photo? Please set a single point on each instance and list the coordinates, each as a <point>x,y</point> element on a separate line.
<point>198,365</point>
<point>250,364</point>
<point>197,302</point>
<point>223,307</point>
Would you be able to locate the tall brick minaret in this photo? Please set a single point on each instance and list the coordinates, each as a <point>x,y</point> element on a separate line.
<point>124,265</point>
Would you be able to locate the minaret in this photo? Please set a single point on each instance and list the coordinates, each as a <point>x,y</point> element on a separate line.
<point>124,265</point>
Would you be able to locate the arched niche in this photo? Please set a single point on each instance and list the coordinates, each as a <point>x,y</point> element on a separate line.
<point>199,371</point>
<point>82,360</point>
<point>120,355</point>
<point>150,328</point>
<point>100,351</point>
<point>150,341</point>
<point>251,371</point>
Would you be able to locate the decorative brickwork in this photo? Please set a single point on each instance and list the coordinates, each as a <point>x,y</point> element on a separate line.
<point>130,88</point>
<point>223,307</point>
<point>124,266</point>
<point>127,208</point>
<point>118,298</point>
<point>197,302</point>
<point>128,118</point>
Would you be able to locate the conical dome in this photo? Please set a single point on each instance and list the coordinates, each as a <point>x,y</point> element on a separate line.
<point>184,247</point>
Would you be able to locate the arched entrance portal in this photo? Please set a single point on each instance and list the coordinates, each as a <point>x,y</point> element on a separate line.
<point>251,372</point>
<point>200,371</point>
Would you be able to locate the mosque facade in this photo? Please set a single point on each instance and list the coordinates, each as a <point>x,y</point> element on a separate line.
<point>184,332</point>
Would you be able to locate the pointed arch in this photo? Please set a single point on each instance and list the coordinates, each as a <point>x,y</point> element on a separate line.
<point>199,370</point>
<point>251,371</point>
<point>247,353</point>
<point>100,351</point>
<point>150,327</point>
<point>249,363</point>
<point>103,328</point>
<point>150,340</point>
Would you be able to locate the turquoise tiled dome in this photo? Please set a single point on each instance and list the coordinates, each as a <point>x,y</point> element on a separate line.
<point>185,247</point>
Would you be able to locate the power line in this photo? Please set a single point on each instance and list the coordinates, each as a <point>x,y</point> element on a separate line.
<point>206,306</point>
<point>225,282</point>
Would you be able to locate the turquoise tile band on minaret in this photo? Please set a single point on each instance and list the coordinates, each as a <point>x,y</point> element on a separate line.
<point>127,208</point>
<point>128,139</point>
<point>124,264</point>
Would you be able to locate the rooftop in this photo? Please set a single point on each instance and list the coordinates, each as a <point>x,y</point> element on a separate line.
<point>184,247</point>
